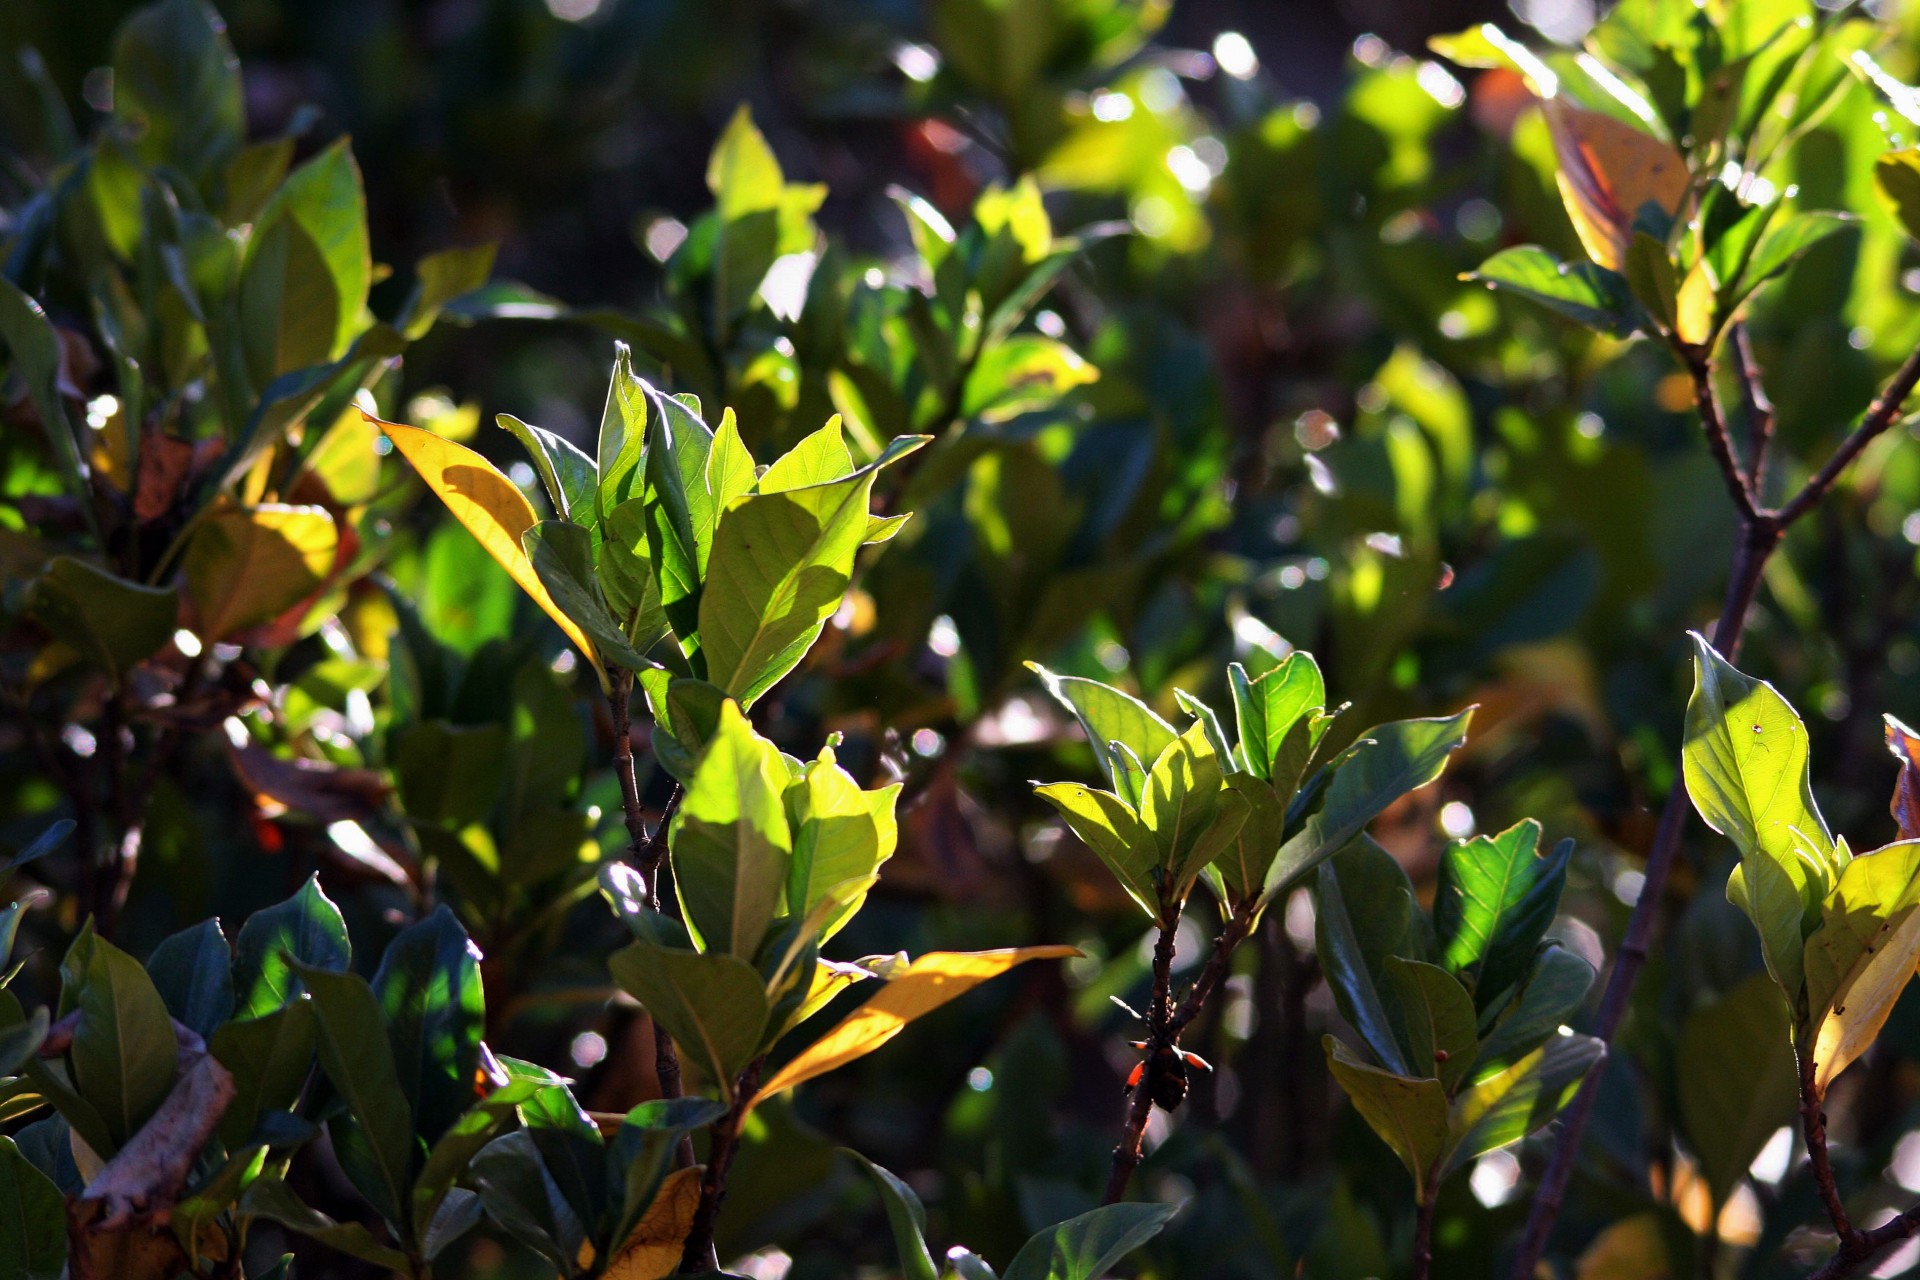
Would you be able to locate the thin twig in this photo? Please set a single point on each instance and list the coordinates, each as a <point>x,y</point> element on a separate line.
<point>648,852</point>
<point>1719,442</point>
<point>1760,414</point>
<point>1883,414</point>
<point>1866,1245</point>
<point>1813,1126</point>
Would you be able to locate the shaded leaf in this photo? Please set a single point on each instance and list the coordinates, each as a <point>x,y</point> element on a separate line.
<point>1086,1247</point>
<point>713,1005</point>
<point>1409,1114</point>
<point>113,623</point>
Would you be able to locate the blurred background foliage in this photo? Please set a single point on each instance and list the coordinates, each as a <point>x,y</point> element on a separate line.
<point>1256,407</point>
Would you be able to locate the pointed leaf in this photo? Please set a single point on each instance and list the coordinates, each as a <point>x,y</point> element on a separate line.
<point>1409,1114</point>
<point>571,478</point>
<point>731,844</point>
<point>1267,709</point>
<point>1387,763</point>
<point>1087,1247</point>
<point>113,623</point>
<point>1438,1014</point>
<point>1862,956</point>
<point>917,990</point>
<point>489,506</point>
<point>1107,826</point>
<point>562,556</point>
<point>1501,1109</point>
<point>124,1049</point>
<point>1108,716</point>
<point>1736,1080</point>
<point>713,1005</point>
<point>33,1219</point>
<point>907,1218</point>
<point>429,990</point>
<point>306,929</point>
<point>1495,901</point>
<point>193,971</point>
<point>358,1058</point>
<point>1745,762</point>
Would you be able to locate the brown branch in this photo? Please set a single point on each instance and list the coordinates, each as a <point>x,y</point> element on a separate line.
<point>1813,1126</point>
<point>1160,1034</point>
<point>1880,416</point>
<point>1760,533</point>
<point>1760,415</point>
<point>1719,442</point>
<point>648,853</point>
<point>1423,1228</point>
<point>1864,1246</point>
<point>699,1253</point>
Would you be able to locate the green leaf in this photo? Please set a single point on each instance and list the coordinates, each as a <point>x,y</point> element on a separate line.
<point>623,436</point>
<point>1551,993</point>
<point>1745,763</point>
<point>1365,914</point>
<point>449,774</point>
<point>1494,903</point>
<point>1087,1247</point>
<point>21,1034</point>
<point>1409,1114</point>
<point>1736,1080</point>
<point>448,1157</point>
<point>176,88</point>
<point>1387,763</point>
<point>274,1200</point>
<point>1581,291</point>
<point>906,1216</point>
<point>443,277</point>
<point>730,841</point>
<point>306,929</point>
<point>1442,1031</point>
<point>321,291</point>
<point>124,1049</point>
<point>33,1219</point>
<point>429,990</point>
<point>113,623</point>
<point>1242,868</point>
<point>562,554</point>
<point>841,835</point>
<point>1503,1108</point>
<point>780,566</point>
<point>1108,716</point>
<point>680,509</point>
<point>686,713</point>
<point>819,458</point>
<point>270,1058</point>
<point>1188,810</point>
<point>193,971</point>
<point>1107,826</point>
<point>572,479</point>
<point>1786,240</point>
<point>377,1143</point>
<point>519,1194</point>
<point>1896,178</point>
<point>35,352</point>
<point>1267,709</point>
<point>643,1149</point>
<point>713,1005</point>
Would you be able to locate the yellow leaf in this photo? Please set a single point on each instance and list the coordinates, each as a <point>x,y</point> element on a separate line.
<point>918,989</point>
<point>1863,953</point>
<point>491,507</point>
<point>1607,170</point>
<point>1694,308</point>
<point>653,1250</point>
<point>247,565</point>
<point>1632,1249</point>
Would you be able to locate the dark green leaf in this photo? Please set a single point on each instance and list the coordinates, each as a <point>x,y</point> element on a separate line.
<point>176,87</point>
<point>429,990</point>
<point>193,971</point>
<point>274,1200</point>
<point>1582,291</point>
<point>562,554</point>
<point>1086,1247</point>
<point>270,1058</point>
<point>124,1048</point>
<point>714,1006</point>
<point>1438,1015</point>
<point>1736,1080</point>
<point>1409,1114</point>
<point>907,1218</point>
<point>33,1220</point>
<point>358,1058</point>
<point>305,929</point>
<point>1365,914</point>
<point>112,623</point>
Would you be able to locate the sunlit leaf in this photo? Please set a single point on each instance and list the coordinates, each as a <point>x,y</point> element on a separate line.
<point>1409,1114</point>
<point>1862,956</point>
<point>653,1250</point>
<point>919,989</point>
<point>490,507</point>
<point>247,565</point>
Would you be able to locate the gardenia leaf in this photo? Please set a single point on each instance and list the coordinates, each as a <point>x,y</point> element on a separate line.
<point>713,1005</point>
<point>1501,1109</point>
<point>1862,956</point>
<point>913,992</point>
<point>1745,763</point>
<point>1495,900</point>
<point>1409,1113</point>
<point>906,1217</point>
<point>1108,715</point>
<point>1107,826</point>
<point>491,508</point>
<point>1736,1079</point>
<point>731,842</point>
<point>1087,1247</point>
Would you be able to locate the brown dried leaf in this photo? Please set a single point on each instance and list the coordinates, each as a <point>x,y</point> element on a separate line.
<point>1905,807</point>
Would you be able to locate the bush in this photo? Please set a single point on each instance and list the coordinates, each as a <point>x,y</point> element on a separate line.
<point>356,928</point>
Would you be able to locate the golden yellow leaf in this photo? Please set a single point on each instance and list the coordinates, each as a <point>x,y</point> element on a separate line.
<point>653,1250</point>
<point>918,989</point>
<point>247,565</point>
<point>1694,308</point>
<point>491,507</point>
<point>1632,1249</point>
<point>1861,1005</point>
<point>1607,171</point>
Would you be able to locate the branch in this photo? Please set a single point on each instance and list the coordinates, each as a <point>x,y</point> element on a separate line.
<point>1879,417</point>
<point>1813,1125</point>
<point>1760,533</point>
<point>1864,1246</point>
<point>699,1252</point>
<point>1160,1034</point>
<point>1760,415</point>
